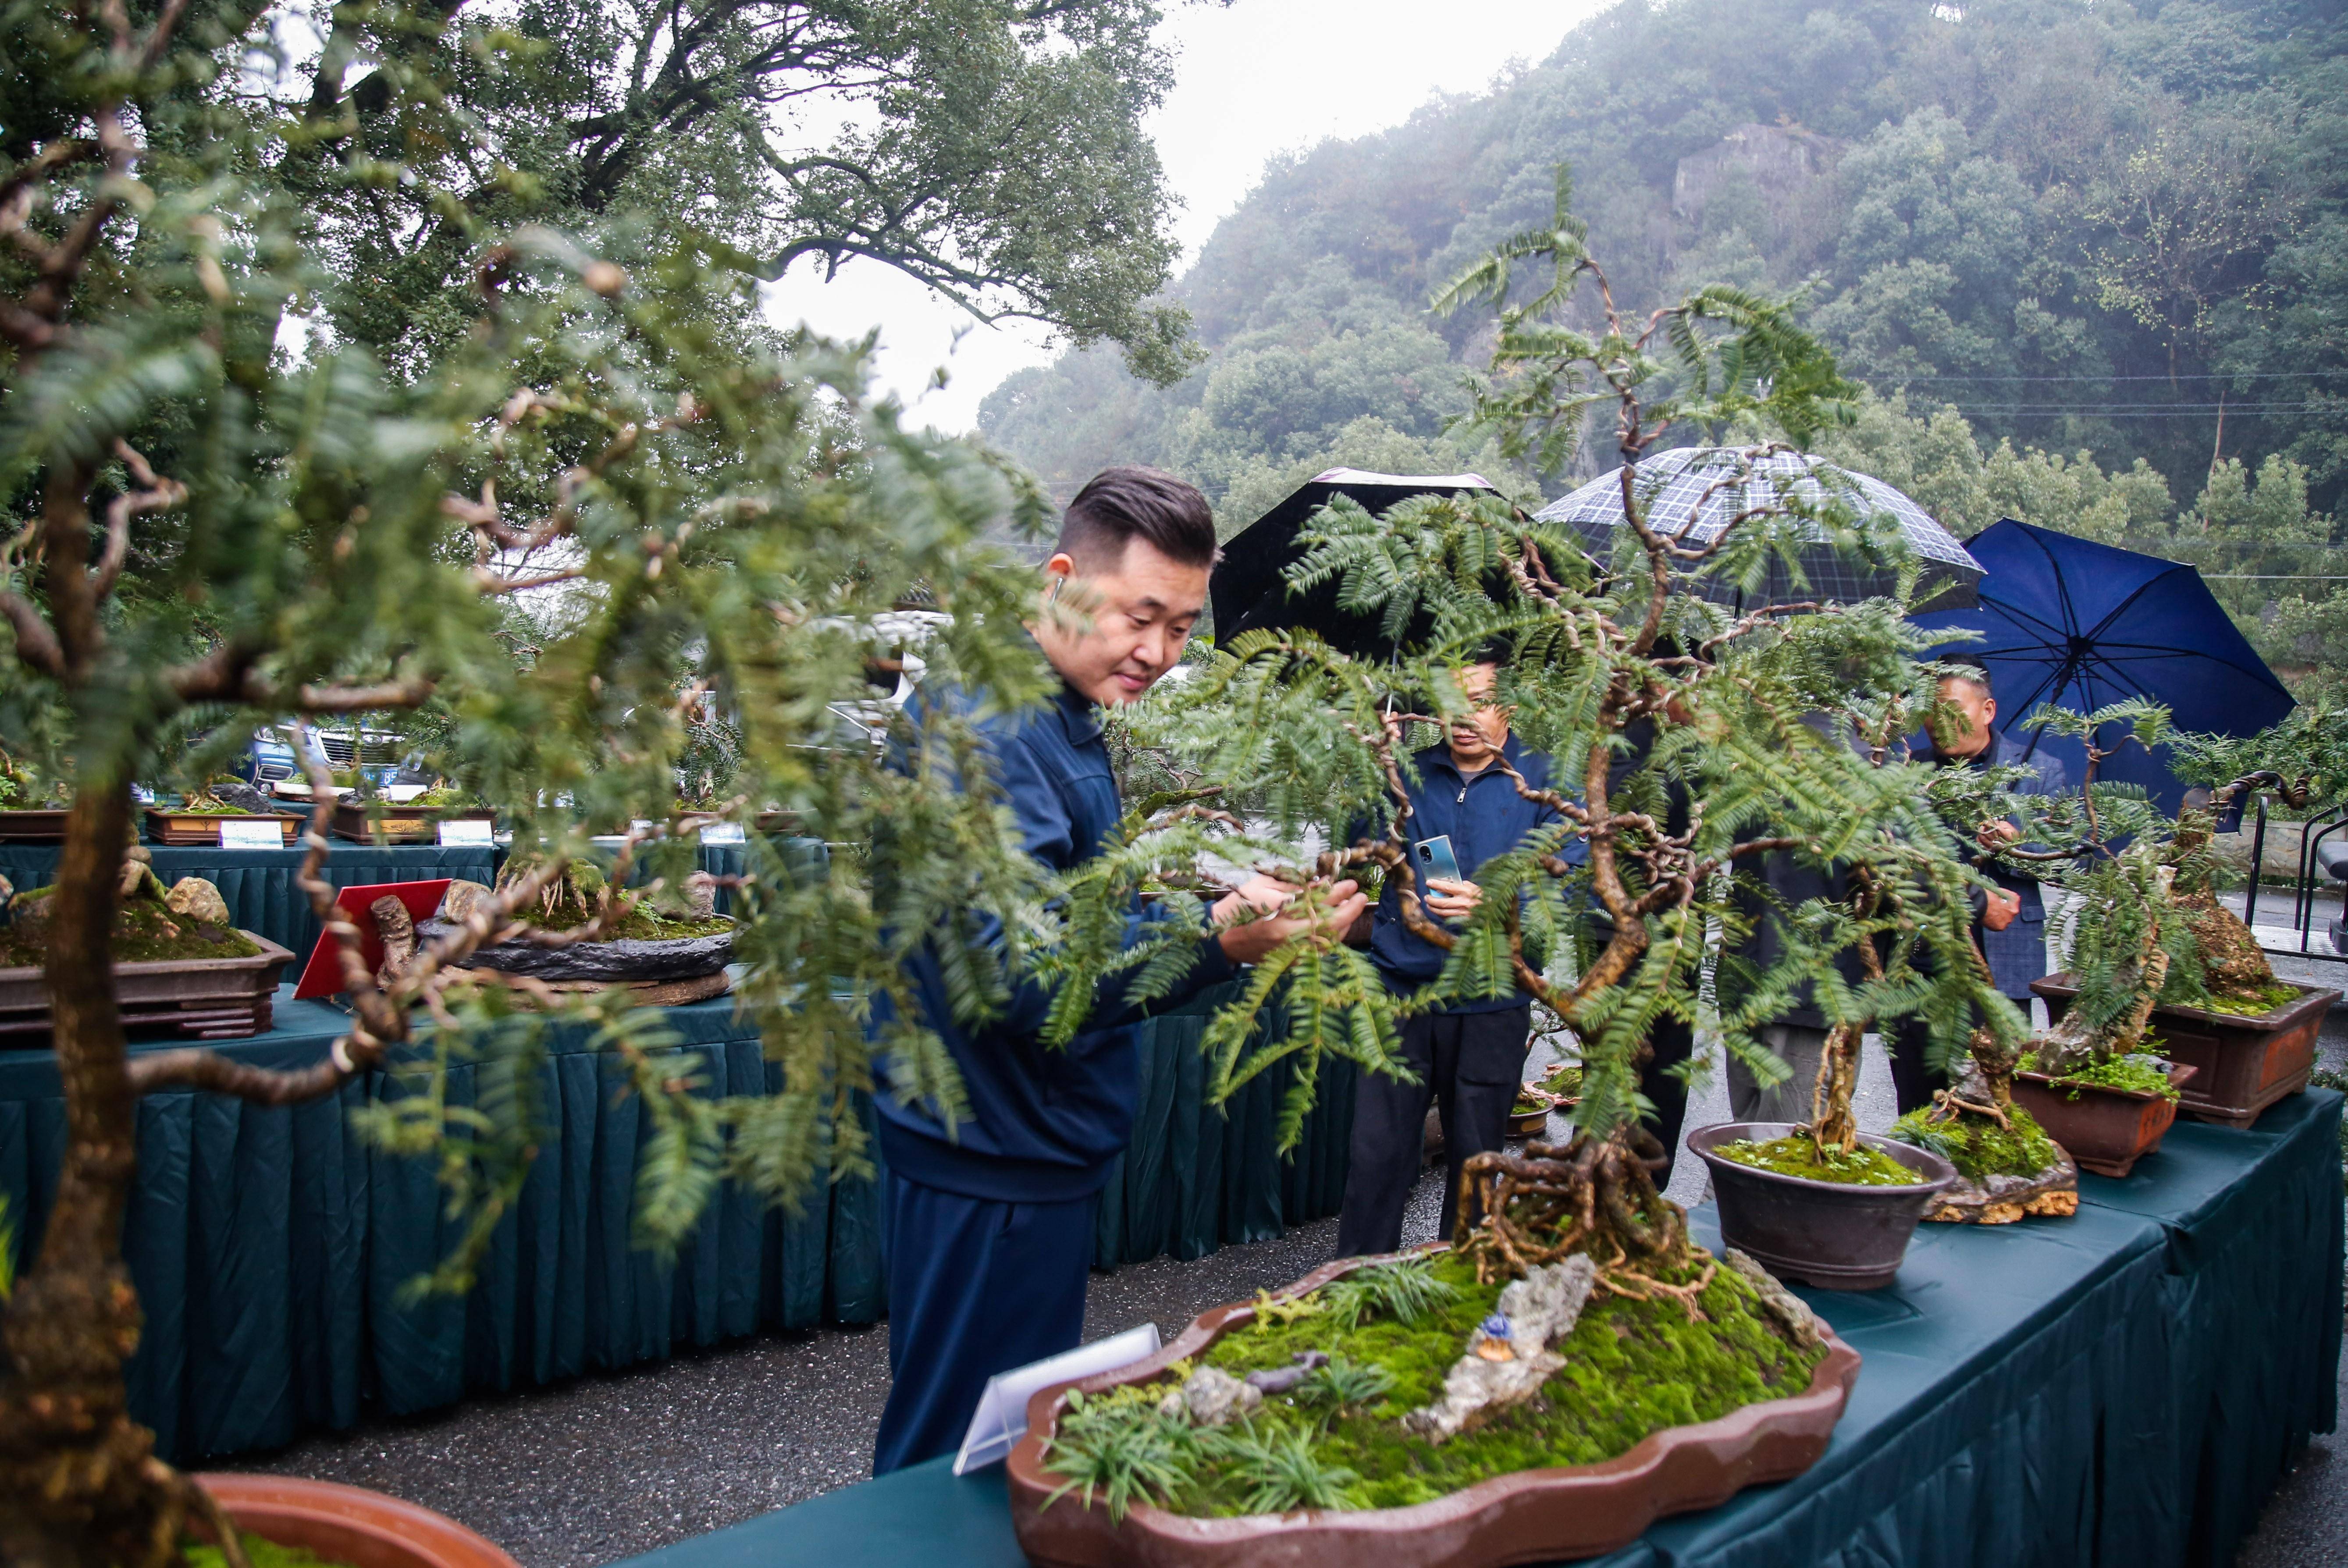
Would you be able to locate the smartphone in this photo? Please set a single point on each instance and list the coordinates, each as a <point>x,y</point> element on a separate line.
<point>1436,859</point>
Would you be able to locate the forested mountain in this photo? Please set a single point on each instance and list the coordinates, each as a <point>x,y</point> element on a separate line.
<point>2091,260</point>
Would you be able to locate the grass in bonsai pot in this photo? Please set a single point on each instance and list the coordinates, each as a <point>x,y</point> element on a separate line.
<point>1632,1367</point>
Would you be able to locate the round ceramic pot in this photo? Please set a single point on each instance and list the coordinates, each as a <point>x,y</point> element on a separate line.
<point>349,1523</point>
<point>1829,1233</point>
<point>2107,1131</point>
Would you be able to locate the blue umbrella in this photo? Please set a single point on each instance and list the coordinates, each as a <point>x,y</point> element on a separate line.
<point>2079,624</point>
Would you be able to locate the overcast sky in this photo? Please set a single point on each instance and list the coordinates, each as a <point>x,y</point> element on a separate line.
<point>1262,77</point>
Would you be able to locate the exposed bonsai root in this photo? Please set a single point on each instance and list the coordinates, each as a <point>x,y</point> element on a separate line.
<point>1590,1196</point>
<point>1636,1286</point>
<point>1948,1104</point>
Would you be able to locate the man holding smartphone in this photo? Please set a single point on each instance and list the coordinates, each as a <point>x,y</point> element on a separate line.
<point>1469,1058</point>
<point>990,1204</point>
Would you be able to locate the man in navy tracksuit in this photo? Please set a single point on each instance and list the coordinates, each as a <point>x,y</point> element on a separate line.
<point>989,1223</point>
<point>1470,1055</point>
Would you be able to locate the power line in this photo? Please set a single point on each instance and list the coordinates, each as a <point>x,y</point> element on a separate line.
<point>2212,376</point>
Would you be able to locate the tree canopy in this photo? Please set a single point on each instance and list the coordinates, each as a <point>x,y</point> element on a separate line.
<point>2086,237</point>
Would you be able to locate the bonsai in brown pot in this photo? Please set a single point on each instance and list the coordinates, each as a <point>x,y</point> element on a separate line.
<point>2156,963</point>
<point>1401,1409</point>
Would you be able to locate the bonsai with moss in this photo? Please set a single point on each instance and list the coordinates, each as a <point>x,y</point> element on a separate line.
<point>1641,686</point>
<point>151,923</point>
<point>2149,931</point>
<point>1365,1393</point>
<point>2146,929</point>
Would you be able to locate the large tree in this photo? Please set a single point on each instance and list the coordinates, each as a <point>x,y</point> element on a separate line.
<point>991,148</point>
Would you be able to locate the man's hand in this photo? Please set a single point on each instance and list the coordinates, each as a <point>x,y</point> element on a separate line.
<point>1453,900</point>
<point>1248,942</point>
<point>2001,909</point>
<point>1992,834</point>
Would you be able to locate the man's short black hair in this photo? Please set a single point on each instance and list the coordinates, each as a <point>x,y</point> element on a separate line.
<point>1123,504</point>
<point>1966,667</point>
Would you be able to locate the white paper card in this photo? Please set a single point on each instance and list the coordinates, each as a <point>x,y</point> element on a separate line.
<point>724,833</point>
<point>1002,1417</point>
<point>250,833</point>
<point>471,830</point>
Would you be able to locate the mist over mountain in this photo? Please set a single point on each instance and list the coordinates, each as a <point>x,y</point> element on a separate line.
<point>2092,260</point>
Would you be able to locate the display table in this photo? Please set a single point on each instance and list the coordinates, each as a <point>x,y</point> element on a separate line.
<point>2119,1389</point>
<point>271,1248</point>
<point>259,883</point>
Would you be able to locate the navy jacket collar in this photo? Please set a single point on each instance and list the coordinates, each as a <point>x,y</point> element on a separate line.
<point>1439,756</point>
<point>1078,717</point>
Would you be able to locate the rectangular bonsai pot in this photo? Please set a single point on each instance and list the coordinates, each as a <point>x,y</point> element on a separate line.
<point>207,998</point>
<point>33,826</point>
<point>2246,1063</point>
<point>400,824</point>
<point>2106,1130</point>
<point>170,827</point>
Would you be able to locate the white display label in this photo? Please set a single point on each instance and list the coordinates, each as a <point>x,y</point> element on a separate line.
<point>724,833</point>
<point>250,833</point>
<point>472,831</point>
<point>1002,1417</point>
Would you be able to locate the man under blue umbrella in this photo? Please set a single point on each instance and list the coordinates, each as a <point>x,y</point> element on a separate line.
<point>2010,924</point>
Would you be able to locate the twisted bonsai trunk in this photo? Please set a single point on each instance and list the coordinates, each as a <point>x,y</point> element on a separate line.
<point>84,1487</point>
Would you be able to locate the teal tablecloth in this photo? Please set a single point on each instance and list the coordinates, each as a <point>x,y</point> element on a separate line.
<point>270,1248</point>
<point>2118,1390</point>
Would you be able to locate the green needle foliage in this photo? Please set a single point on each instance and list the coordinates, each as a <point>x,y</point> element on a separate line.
<point>1658,706</point>
<point>394,386</point>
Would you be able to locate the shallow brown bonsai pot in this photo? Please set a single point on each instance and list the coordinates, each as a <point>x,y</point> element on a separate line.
<point>2247,1064</point>
<point>400,824</point>
<point>2106,1130</point>
<point>207,998</point>
<point>33,826</point>
<point>1836,1234</point>
<point>166,825</point>
<point>349,1523</point>
<point>1531,1516</point>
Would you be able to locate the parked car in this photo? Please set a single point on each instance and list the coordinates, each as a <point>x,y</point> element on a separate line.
<point>377,755</point>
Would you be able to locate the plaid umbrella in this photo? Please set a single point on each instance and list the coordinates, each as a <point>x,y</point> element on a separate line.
<point>1698,488</point>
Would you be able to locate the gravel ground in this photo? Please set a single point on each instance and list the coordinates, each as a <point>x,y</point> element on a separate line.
<point>715,1438</point>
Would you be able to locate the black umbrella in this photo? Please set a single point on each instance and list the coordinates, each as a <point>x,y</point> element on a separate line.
<point>1250,591</point>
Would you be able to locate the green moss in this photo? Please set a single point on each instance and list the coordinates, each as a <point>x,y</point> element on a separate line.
<point>205,809</point>
<point>1565,1078</point>
<point>144,932</point>
<point>1631,1369</point>
<point>639,924</point>
<point>2254,1006</point>
<point>2137,1075</point>
<point>1978,1147</point>
<point>1798,1156</point>
<point>262,1553</point>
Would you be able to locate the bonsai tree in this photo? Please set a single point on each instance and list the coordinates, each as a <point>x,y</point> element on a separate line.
<point>2149,929</point>
<point>597,483</point>
<point>1644,691</point>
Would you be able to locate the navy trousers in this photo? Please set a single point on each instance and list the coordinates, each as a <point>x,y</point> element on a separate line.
<point>975,1287</point>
